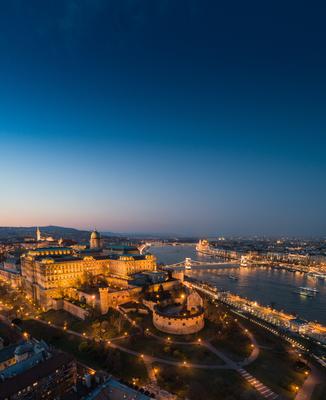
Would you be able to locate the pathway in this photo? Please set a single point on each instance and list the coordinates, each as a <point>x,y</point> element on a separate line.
<point>264,391</point>
<point>306,390</point>
<point>261,388</point>
<point>255,352</point>
<point>228,363</point>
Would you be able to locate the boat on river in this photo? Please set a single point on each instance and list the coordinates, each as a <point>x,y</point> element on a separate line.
<point>306,291</point>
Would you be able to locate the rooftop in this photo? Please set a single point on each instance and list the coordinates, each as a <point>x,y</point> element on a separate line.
<point>7,352</point>
<point>34,374</point>
<point>123,247</point>
<point>104,392</point>
<point>56,248</point>
<point>68,258</point>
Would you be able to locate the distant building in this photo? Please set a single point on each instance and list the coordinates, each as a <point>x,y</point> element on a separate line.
<point>203,246</point>
<point>40,238</point>
<point>38,234</point>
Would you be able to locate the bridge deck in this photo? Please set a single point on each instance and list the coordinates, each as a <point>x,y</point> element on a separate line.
<point>188,262</point>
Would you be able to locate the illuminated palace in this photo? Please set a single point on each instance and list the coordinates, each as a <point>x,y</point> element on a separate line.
<point>47,273</point>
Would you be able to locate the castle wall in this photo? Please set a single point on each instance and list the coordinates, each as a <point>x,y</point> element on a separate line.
<point>168,285</point>
<point>113,299</point>
<point>71,308</point>
<point>13,278</point>
<point>178,325</point>
<point>118,281</point>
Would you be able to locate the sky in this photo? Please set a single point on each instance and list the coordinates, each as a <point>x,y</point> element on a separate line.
<point>190,117</point>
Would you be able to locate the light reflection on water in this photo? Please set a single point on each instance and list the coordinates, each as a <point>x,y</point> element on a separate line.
<point>266,285</point>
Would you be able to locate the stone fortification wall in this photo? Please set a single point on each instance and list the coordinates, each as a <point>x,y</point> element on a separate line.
<point>178,325</point>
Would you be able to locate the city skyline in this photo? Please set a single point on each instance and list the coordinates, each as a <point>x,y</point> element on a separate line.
<point>162,207</point>
<point>149,234</point>
<point>188,118</point>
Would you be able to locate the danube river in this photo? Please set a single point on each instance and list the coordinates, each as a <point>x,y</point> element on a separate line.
<point>265,285</point>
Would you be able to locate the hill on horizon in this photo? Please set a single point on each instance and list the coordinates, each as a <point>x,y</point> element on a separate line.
<point>7,232</point>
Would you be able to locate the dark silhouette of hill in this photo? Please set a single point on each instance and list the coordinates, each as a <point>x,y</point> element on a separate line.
<point>8,232</point>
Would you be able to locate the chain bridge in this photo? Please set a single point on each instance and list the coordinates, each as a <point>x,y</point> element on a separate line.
<point>189,263</point>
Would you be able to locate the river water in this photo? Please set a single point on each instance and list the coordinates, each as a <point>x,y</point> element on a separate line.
<point>264,285</point>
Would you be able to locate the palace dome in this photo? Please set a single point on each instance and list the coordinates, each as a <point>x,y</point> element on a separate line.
<point>95,235</point>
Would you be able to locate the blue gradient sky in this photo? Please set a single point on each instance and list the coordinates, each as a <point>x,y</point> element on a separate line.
<point>160,116</point>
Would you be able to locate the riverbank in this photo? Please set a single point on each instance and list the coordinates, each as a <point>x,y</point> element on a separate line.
<point>268,286</point>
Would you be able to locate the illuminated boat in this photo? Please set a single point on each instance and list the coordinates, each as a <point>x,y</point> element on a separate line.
<point>308,289</point>
<point>303,293</point>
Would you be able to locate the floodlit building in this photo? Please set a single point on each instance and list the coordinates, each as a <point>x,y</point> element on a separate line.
<point>95,241</point>
<point>46,273</point>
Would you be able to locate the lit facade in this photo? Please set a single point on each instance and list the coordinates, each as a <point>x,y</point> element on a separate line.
<point>47,273</point>
<point>95,241</point>
<point>124,266</point>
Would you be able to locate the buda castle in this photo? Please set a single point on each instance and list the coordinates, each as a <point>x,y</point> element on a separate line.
<point>51,272</point>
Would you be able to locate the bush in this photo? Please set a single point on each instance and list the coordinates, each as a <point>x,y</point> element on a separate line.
<point>83,347</point>
<point>167,349</point>
<point>177,353</point>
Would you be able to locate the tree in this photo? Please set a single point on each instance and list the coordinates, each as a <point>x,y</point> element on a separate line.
<point>118,323</point>
<point>88,279</point>
<point>198,391</point>
<point>105,325</point>
<point>83,347</point>
<point>113,360</point>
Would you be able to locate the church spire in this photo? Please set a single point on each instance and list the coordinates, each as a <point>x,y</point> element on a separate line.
<point>38,234</point>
